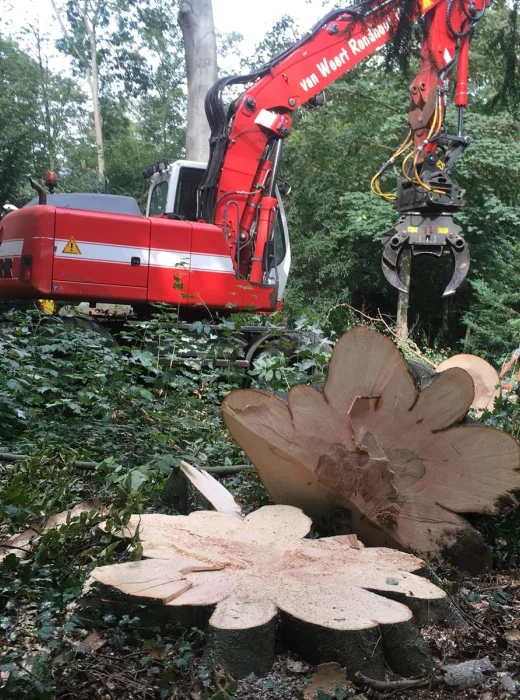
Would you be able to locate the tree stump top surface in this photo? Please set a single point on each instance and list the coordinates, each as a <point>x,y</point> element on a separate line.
<point>253,568</point>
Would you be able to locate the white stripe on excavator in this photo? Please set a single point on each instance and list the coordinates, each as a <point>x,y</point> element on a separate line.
<point>104,252</point>
<point>11,247</point>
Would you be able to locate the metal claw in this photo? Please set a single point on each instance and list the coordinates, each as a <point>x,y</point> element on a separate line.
<point>392,277</point>
<point>394,242</point>
<point>460,253</point>
<point>425,235</point>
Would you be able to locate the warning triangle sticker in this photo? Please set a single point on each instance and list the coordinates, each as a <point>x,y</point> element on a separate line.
<point>71,247</point>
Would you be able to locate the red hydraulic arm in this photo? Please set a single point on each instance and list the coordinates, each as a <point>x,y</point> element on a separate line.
<point>238,193</point>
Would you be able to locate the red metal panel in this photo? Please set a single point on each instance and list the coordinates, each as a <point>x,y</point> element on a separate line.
<point>170,260</point>
<point>213,280</point>
<point>82,291</point>
<point>337,47</point>
<point>222,291</point>
<point>28,231</point>
<point>107,245</point>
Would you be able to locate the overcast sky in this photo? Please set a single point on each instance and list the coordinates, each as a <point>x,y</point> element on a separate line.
<point>251,19</point>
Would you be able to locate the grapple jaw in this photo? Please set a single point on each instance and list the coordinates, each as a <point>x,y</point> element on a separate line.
<point>426,235</point>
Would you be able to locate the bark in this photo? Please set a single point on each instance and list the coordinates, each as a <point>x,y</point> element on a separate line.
<point>189,489</point>
<point>200,48</point>
<point>403,300</point>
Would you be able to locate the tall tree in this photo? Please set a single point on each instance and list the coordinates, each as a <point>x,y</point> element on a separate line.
<point>200,46</point>
<point>162,110</point>
<point>61,100</point>
<point>19,117</point>
<point>79,21</point>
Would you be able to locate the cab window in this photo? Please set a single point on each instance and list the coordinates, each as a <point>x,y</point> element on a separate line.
<point>186,197</point>
<point>158,199</point>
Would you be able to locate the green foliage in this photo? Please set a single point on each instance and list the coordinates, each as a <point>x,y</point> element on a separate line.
<point>68,393</point>
<point>62,387</point>
<point>20,114</point>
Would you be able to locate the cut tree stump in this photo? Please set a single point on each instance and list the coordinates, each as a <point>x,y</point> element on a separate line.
<point>259,571</point>
<point>189,488</point>
<point>392,456</point>
<point>485,378</point>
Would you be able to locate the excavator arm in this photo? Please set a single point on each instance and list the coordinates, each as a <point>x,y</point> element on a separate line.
<point>238,192</point>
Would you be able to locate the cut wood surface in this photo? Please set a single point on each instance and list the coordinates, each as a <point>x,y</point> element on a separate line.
<point>253,568</point>
<point>22,544</point>
<point>485,378</point>
<point>373,444</point>
<point>189,488</point>
<point>212,490</point>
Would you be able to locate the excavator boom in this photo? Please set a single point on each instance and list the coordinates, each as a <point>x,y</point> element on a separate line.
<point>246,142</point>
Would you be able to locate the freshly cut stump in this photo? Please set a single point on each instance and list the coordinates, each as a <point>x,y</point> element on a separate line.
<point>393,456</point>
<point>189,488</point>
<point>485,378</point>
<point>260,569</point>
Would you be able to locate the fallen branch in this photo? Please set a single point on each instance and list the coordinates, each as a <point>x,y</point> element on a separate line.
<point>78,464</point>
<point>392,685</point>
<point>23,543</point>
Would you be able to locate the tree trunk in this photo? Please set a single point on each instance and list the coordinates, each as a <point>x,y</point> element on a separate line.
<point>403,301</point>
<point>393,457</point>
<point>91,71</point>
<point>485,378</point>
<point>446,316</point>
<point>44,77</point>
<point>98,121</point>
<point>265,576</point>
<point>200,48</point>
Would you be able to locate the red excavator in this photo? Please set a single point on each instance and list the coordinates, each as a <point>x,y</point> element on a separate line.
<point>215,237</point>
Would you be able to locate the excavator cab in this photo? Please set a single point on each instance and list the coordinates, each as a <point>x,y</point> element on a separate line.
<point>174,192</point>
<point>174,188</point>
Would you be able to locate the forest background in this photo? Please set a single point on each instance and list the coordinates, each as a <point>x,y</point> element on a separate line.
<point>46,122</point>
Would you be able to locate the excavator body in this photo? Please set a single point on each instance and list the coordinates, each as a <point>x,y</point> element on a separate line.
<point>100,248</point>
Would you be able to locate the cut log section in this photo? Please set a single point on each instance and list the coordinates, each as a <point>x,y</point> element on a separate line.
<point>257,569</point>
<point>485,378</point>
<point>189,488</point>
<point>373,444</point>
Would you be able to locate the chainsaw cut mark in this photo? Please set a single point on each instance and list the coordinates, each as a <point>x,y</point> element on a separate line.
<point>71,247</point>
